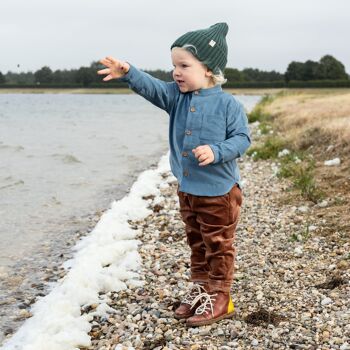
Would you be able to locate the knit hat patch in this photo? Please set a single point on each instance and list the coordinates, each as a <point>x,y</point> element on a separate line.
<point>210,44</point>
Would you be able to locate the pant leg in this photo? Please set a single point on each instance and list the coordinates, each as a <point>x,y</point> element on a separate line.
<point>218,218</point>
<point>199,266</point>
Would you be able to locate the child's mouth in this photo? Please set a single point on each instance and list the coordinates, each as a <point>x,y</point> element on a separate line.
<point>180,81</point>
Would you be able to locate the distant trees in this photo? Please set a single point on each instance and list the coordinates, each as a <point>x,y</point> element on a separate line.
<point>233,74</point>
<point>43,75</point>
<point>328,68</point>
<point>252,75</point>
<point>85,76</point>
<point>19,78</point>
<point>161,74</point>
<point>331,68</point>
<point>2,79</point>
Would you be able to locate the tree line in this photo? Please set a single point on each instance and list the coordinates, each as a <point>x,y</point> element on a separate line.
<point>327,70</point>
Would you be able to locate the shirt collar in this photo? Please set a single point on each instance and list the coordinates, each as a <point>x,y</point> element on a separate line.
<point>210,91</point>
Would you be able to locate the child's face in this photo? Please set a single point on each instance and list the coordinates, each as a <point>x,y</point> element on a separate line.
<point>189,73</point>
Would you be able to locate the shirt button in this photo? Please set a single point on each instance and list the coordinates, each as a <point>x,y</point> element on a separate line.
<point>188,132</point>
<point>196,93</point>
<point>184,154</point>
<point>185,173</point>
<point>192,109</point>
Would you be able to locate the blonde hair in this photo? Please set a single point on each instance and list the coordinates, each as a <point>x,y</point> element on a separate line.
<point>218,77</point>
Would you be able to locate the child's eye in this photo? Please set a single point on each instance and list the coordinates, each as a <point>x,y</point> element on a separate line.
<point>184,65</point>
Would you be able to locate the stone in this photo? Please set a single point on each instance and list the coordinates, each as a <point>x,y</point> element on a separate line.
<point>326,301</point>
<point>255,342</point>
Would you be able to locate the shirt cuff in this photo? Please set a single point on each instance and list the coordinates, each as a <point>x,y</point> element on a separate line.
<point>126,77</point>
<point>215,150</point>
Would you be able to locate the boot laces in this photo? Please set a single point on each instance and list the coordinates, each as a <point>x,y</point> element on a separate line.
<point>206,303</point>
<point>192,294</point>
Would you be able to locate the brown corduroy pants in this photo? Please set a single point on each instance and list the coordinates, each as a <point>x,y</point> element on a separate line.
<point>210,224</point>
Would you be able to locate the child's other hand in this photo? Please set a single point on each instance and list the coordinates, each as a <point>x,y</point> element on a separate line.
<point>204,154</point>
<point>115,68</point>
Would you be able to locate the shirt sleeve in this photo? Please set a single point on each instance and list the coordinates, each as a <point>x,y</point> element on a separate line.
<point>160,93</point>
<point>237,135</point>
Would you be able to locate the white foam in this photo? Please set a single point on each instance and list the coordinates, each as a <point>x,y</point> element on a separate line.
<point>105,260</point>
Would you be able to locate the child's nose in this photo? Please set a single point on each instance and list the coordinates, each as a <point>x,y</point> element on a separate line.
<point>176,72</point>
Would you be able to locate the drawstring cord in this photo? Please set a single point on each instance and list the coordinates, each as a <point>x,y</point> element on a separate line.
<point>192,294</point>
<point>206,303</point>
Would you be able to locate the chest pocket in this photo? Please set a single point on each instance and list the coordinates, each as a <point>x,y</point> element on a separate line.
<point>213,128</point>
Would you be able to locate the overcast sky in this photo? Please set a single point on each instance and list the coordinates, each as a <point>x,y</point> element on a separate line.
<point>264,34</point>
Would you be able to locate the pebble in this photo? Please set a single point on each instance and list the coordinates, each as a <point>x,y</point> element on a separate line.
<point>303,209</point>
<point>332,162</point>
<point>272,270</point>
<point>275,273</point>
<point>326,301</point>
<point>255,342</point>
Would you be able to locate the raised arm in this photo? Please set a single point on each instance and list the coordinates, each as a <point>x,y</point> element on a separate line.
<point>161,94</point>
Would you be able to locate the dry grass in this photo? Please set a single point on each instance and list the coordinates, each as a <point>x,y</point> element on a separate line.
<point>312,121</point>
<point>320,117</point>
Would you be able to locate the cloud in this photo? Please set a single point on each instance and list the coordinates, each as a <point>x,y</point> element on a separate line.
<point>263,34</point>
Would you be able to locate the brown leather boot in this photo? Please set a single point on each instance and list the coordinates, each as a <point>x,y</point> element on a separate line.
<point>187,308</point>
<point>214,306</point>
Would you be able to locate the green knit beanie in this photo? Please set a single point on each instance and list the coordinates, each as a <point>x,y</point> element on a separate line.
<point>210,43</point>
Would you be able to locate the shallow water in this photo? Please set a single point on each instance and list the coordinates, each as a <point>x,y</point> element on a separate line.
<point>63,160</point>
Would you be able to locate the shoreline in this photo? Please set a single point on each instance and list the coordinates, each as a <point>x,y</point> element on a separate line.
<point>282,290</point>
<point>291,284</point>
<point>96,263</point>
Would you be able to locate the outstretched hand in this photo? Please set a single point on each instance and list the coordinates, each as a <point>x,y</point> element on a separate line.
<point>204,154</point>
<point>115,68</point>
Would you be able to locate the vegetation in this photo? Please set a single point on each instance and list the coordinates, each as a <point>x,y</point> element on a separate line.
<point>328,72</point>
<point>2,78</point>
<point>300,170</point>
<point>294,164</point>
<point>328,68</point>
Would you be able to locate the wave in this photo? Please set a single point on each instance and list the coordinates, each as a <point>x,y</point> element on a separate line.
<point>15,148</point>
<point>20,182</point>
<point>66,158</point>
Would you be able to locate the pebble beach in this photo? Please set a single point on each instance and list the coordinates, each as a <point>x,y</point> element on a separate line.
<point>291,288</point>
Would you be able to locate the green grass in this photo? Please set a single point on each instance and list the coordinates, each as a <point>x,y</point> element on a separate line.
<point>258,114</point>
<point>301,237</point>
<point>269,150</point>
<point>296,166</point>
<point>265,128</point>
<point>301,173</point>
<point>293,238</point>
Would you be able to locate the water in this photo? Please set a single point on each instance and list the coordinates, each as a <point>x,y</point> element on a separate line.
<point>59,154</point>
<point>64,159</point>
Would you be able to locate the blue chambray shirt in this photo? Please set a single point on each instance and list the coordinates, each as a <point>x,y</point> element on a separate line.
<point>203,117</point>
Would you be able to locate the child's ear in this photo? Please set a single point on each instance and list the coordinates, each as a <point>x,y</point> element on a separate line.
<point>208,73</point>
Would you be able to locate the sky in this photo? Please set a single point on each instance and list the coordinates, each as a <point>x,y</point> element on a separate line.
<point>263,34</point>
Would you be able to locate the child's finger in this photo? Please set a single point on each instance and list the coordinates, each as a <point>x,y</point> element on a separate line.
<point>203,156</point>
<point>206,162</point>
<point>105,62</point>
<point>108,77</point>
<point>104,71</point>
<point>197,154</point>
<point>197,151</point>
<point>111,59</point>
